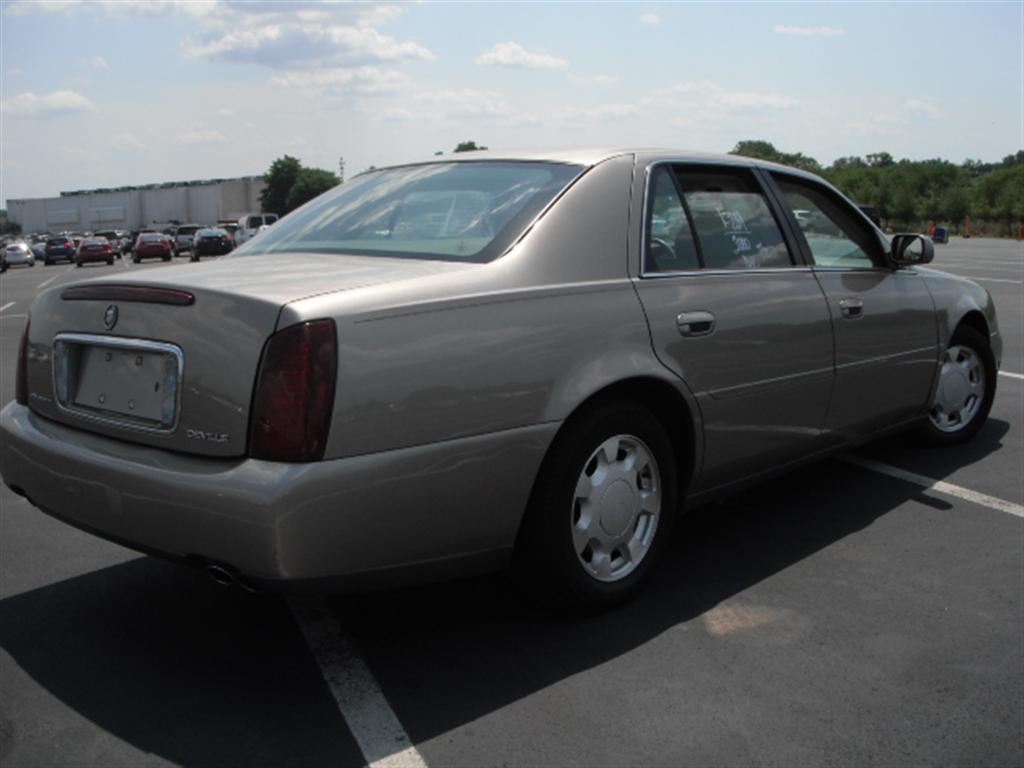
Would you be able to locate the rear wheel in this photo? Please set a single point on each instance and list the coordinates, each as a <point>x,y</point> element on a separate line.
<point>966,388</point>
<point>602,509</point>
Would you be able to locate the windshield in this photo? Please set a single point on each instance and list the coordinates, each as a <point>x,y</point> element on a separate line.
<point>453,211</point>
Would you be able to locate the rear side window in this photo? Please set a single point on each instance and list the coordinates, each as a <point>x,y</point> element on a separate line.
<point>255,222</point>
<point>727,211</point>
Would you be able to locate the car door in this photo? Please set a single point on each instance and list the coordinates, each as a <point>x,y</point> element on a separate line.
<point>883,319</point>
<point>734,313</point>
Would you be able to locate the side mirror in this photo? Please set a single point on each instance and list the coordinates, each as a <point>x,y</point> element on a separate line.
<point>908,250</point>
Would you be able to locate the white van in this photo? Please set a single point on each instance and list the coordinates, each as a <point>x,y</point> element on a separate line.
<point>250,224</point>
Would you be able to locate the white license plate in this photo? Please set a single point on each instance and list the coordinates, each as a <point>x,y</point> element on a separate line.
<point>122,380</point>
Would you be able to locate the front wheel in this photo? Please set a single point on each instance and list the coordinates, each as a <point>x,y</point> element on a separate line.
<point>965,391</point>
<point>602,509</point>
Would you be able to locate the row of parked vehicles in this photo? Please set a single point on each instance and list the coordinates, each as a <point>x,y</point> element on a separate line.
<point>196,240</point>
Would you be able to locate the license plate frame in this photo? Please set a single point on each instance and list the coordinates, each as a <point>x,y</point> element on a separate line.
<point>124,382</point>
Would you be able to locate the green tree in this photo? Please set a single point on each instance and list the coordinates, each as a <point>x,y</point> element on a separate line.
<point>765,150</point>
<point>310,183</point>
<point>279,180</point>
<point>468,146</point>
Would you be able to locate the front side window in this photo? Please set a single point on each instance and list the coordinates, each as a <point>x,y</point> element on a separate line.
<point>833,235</point>
<point>467,211</point>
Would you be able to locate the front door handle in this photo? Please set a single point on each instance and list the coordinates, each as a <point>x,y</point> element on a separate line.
<point>695,323</point>
<point>851,308</point>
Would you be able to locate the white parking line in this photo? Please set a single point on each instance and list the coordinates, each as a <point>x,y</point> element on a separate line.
<point>1012,375</point>
<point>47,281</point>
<point>8,305</point>
<point>380,736</point>
<point>940,486</point>
<point>11,317</point>
<point>992,279</point>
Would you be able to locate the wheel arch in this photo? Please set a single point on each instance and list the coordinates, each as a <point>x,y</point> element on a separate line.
<point>670,403</point>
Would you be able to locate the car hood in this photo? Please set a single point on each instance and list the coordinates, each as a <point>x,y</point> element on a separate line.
<point>284,278</point>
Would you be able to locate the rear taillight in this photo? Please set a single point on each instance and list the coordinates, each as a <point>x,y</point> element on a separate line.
<point>21,380</point>
<point>294,396</point>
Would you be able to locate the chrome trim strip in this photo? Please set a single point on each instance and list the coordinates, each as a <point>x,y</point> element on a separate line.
<point>118,342</point>
<point>712,272</point>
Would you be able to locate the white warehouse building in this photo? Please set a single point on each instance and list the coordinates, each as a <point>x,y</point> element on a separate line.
<point>153,205</point>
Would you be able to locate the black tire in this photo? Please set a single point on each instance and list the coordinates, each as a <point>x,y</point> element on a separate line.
<point>966,337</point>
<point>78,263</point>
<point>110,262</point>
<point>166,258</point>
<point>136,260</point>
<point>193,257</point>
<point>547,562</point>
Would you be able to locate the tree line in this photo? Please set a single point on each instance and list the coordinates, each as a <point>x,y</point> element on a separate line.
<point>909,193</point>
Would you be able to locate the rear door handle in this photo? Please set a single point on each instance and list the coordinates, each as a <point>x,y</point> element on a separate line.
<point>699,323</point>
<point>852,308</point>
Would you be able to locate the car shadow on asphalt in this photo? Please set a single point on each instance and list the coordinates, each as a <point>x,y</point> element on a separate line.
<point>449,654</point>
<point>161,658</point>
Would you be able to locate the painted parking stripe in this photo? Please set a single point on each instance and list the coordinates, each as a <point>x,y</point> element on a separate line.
<point>47,281</point>
<point>938,486</point>
<point>991,279</point>
<point>376,729</point>
<point>1012,375</point>
<point>8,305</point>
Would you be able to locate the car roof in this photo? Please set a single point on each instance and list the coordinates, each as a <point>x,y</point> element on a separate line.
<point>593,156</point>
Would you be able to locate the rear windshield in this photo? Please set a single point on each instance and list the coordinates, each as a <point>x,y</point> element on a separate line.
<point>57,241</point>
<point>187,230</point>
<point>107,235</point>
<point>452,211</point>
<point>152,238</point>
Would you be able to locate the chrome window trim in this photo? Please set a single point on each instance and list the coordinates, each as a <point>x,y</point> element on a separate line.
<point>644,274</point>
<point>119,342</point>
<point>722,272</point>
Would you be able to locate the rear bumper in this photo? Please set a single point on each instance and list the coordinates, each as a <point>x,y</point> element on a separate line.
<point>394,517</point>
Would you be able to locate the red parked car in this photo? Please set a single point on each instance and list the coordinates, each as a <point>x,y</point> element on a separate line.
<point>152,245</point>
<point>94,249</point>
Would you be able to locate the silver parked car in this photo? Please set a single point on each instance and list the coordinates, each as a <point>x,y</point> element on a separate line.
<point>19,254</point>
<point>448,367</point>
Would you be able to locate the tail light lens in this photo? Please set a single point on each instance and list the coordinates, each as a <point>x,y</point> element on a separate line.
<point>294,395</point>
<point>21,379</point>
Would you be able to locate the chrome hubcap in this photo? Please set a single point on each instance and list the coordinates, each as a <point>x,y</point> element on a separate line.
<point>615,508</point>
<point>961,390</point>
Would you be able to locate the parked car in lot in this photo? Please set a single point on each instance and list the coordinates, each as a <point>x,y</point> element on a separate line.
<point>183,236</point>
<point>93,249</point>
<point>450,367</point>
<point>19,255</point>
<point>211,242</point>
<point>250,224</point>
<point>59,249</point>
<point>114,238</point>
<point>152,245</point>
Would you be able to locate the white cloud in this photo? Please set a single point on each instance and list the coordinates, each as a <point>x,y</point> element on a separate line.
<point>199,135</point>
<point>127,141</point>
<point>96,61</point>
<point>602,112</point>
<point>365,80</point>
<point>226,112</point>
<point>293,43</point>
<point>594,79</point>
<point>465,102</point>
<point>924,109</point>
<point>783,29</point>
<point>706,94</point>
<point>53,103</point>
<point>744,100</point>
<point>512,54</point>
<point>650,18</point>
<point>14,71</point>
<point>379,14</point>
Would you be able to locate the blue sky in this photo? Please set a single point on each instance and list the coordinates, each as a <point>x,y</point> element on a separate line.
<point>99,94</point>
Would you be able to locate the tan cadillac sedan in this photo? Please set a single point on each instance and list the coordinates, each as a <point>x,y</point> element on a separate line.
<point>449,367</point>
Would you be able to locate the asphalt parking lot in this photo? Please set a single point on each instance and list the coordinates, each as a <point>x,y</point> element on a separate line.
<point>847,614</point>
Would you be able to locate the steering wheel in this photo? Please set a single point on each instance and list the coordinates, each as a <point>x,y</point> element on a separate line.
<point>660,252</point>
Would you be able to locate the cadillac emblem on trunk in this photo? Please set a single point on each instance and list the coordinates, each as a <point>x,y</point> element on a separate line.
<point>110,317</point>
